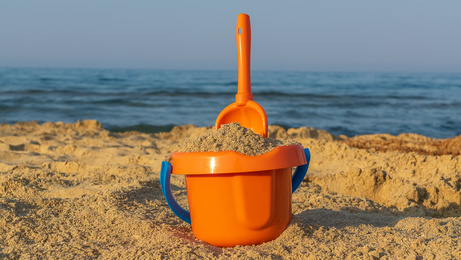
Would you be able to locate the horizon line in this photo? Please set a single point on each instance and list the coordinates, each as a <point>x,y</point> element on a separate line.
<point>233,70</point>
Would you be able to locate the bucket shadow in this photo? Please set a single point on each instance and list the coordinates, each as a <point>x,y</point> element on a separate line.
<point>147,202</point>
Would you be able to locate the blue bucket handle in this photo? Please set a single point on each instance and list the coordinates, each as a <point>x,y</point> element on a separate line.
<point>184,215</point>
<point>300,172</point>
<point>165,175</point>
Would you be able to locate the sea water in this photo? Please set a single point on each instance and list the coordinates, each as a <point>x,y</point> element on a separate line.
<point>349,103</point>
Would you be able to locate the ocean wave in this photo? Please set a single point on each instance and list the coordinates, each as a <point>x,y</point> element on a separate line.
<point>111,79</point>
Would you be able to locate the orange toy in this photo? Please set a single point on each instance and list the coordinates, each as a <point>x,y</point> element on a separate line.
<point>244,110</point>
<point>235,199</point>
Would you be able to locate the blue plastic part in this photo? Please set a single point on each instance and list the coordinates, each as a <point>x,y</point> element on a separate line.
<point>300,172</point>
<point>165,175</point>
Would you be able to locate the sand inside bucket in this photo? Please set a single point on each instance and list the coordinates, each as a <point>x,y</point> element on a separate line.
<point>233,137</point>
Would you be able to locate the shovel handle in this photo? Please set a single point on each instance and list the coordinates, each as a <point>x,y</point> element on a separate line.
<point>243,34</point>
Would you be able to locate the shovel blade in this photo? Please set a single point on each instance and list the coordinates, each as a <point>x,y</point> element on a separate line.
<point>251,115</point>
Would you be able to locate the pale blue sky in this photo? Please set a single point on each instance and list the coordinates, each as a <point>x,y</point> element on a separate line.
<point>399,36</point>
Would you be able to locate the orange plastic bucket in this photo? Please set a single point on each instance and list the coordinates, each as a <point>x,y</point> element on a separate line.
<point>236,199</point>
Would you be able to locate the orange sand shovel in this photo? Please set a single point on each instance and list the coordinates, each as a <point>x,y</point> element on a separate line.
<point>244,110</point>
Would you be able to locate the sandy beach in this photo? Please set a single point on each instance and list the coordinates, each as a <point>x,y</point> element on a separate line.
<point>78,191</point>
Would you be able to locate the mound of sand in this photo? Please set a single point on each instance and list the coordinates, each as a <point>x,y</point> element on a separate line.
<point>233,137</point>
<point>79,191</point>
<point>408,143</point>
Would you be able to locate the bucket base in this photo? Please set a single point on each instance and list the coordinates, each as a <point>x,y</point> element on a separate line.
<point>240,208</point>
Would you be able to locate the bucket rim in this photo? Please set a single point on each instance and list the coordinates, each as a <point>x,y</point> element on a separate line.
<point>194,163</point>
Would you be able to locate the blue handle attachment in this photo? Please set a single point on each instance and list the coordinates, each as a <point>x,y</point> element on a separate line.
<point>165,176</point>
